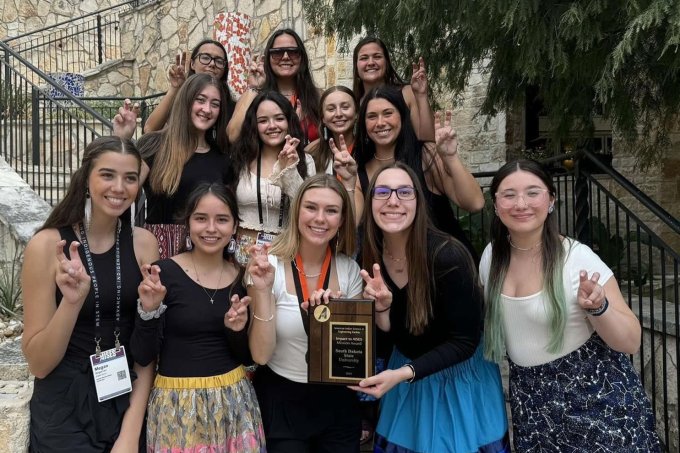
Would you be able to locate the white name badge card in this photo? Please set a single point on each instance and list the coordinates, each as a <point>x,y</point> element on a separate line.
<point>111,373</point>
<point>265,238</point>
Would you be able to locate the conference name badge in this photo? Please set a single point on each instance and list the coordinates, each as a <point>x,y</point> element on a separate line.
<point>111,373</point>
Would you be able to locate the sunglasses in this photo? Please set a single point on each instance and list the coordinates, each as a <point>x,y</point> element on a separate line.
<point>206,58</point>
<point>277,53</point>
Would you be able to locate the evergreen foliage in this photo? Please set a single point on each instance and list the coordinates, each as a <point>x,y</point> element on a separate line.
<point>615,57</point>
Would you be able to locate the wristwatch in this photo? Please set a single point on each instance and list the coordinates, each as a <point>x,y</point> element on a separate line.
<point>148,315</point>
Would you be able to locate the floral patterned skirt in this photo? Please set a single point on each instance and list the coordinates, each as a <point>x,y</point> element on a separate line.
<point>215,414</point>
<point>589,400</point>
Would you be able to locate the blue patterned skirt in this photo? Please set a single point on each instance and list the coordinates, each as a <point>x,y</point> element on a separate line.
<point>460,409</point>
<point>589,400</point>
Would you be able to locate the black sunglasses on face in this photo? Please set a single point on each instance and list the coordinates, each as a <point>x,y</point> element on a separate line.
<point>206,58</point>
<point>277,53</point>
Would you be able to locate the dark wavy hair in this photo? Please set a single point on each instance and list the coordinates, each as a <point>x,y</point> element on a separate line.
<point>71,209</point>
<point>408,149</point>
<point>391,76</point>
<point>230,103</point>
<point>224,194</point>
<point>306,91</point>
<point>249,144</point>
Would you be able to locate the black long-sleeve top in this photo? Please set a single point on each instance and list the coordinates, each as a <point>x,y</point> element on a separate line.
<point>190,338</point>
<point>454,330</point>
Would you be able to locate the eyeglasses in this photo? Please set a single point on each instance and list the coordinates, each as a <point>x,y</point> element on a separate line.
<point>403,193</point>
<point>532,197</point>
<point>276,54</point>
<point>206,58</point>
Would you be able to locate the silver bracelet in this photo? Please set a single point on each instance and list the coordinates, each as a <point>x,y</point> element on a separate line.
<point>148,315</point>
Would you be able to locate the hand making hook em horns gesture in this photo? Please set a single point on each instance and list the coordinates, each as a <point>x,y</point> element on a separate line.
<point>259,271</point>
<point>71,279</point>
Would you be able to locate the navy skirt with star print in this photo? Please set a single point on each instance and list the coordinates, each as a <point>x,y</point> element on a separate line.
<point>589,400</point>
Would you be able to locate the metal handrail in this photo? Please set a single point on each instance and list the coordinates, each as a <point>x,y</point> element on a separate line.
<point>59,24</point>
<point>48,80</point>
<point>639,195</point>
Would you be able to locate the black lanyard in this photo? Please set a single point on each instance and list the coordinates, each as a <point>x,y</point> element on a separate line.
<point>95,288</point>
<point>282,203</point>
<point>300,292</point>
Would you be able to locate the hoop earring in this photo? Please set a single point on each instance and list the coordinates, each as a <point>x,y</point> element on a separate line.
<point>231,247</point>
<point>88,209</point>
<point>187,242</point>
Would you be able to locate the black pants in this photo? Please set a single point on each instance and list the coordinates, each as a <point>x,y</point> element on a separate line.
<point>307,418</point>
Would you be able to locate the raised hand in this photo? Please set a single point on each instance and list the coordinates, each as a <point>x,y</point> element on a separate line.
<point>259,270</point>
<point>256,77</point>
<point>590,294</point>
<point>445,136</point>
<point>125,121</point>
<point>419,78</point>
<point>376,289</point>
<point>71,279</point>
<point>289,154</point>
<point>177,72</point>
<point>151,290</point>
<point>237,316</point>
<point>343,163</point>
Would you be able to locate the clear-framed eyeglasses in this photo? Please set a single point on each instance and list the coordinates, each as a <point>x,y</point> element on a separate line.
<point>509,198</point>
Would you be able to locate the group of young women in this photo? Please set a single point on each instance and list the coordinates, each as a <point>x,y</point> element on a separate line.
<point>254,215</point>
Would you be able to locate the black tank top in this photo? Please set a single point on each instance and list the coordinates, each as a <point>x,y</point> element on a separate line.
<point>81,344</point>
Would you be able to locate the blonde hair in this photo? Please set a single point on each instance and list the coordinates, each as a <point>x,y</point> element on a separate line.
<point>287,243</point>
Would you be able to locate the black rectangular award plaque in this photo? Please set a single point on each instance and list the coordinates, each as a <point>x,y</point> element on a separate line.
<point>341,342</point>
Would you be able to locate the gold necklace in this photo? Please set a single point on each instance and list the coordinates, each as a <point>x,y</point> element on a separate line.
<point>512,244</point>
<point>398,270</point>
<point>198,280</point>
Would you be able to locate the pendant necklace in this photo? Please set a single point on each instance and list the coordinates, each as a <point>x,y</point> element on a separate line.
<point>198,280</point>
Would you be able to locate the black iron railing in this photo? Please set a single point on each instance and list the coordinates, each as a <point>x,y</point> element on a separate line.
<point>42,137</point>
<point>604,210</point>
<point>75,45</point>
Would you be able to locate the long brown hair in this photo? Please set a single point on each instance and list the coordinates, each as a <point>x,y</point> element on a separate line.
<point>179,135</point>
<point>287,243</point>
<point>421,260</point>
<point>71,209</point>
<point>321,152</point>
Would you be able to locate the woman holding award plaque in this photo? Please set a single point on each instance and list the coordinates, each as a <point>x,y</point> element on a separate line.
<point>306,265</point>
<point>428,300</point>
<point>79,280</point>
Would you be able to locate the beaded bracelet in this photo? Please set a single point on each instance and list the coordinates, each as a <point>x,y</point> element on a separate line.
<point>599,311</point>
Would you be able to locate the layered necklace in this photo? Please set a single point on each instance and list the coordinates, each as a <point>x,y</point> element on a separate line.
<point>198,280</point>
